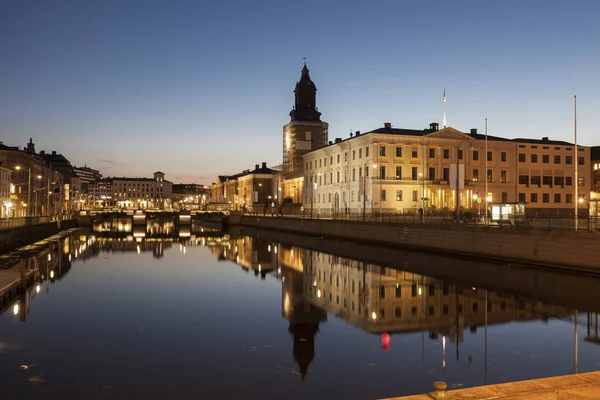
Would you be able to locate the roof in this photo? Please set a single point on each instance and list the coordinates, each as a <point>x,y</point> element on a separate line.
<point>543,141</point>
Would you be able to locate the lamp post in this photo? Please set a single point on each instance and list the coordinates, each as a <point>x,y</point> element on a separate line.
<point>312,192</point>
<point>457,205</point>
<point>380,192</point>
<point>18,168</point>
<point>475,198</point>
<point>365,187</point>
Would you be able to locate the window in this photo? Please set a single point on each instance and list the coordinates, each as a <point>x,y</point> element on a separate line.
<point>534,197</point>
<point>446,154</point>
<point>489,175</point>
<point>367,151</point>
<point>398,195</point>
<point>338,176</point>
<point>475,175</point>
<point>581,160</point>
<point>360,172</point>
<point>398,312</point>
<point>398,172</point>
<point>320,165</point>
<point>346,156</point>
<point>521,197</point>
<point>382,292</point>
<point>353,154</point>
<point>568,159</point>
<point>431,173</point>
<point>353,174</point>
<point>559,181</point>
<point>398,151</point>
<point>446,174</point>
<point>415,195</point>
<point>489,156</point>
<point>534,158</point>
<point>413,291</point>
<point>546,159</point>
<point>382,151</point>
<point>331,160</point>
<point>521,157</point>
<point>431,290</point>
<point>398,291</point>
<point>557,197</point>
<point>431,310</point>
<point>382,172</point>
<point>569,181</point>
<point>545,198</point>
<point>383,195</point>
<point>536,180</point>
<point>415,152</point>
<point>475,155</point>
<point>568,198</point>
<point>359,153</point>
<point>415,173</point>
<point>547,180</point>
<point>556,159</point>
<point>503,156</point>
<point>503,176</point>
<point>366,171</point>
<point>460,154</point>
<point>431,153</point>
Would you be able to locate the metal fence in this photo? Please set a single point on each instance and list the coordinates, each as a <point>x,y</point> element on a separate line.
<point>449,219</point>
<point>9,223</point>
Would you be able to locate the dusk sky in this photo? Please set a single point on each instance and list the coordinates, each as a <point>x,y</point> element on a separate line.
<point>196,89</point>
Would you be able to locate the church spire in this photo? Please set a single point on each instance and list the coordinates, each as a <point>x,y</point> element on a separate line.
<point>305,107</point>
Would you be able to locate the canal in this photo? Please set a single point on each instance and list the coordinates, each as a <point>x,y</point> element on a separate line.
<point>262,315</point>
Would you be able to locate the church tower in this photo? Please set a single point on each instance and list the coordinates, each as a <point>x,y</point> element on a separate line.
<point>305,132</point>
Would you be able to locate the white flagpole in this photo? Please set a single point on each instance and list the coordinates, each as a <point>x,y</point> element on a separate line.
<point>444,100</point>
<point>576,161</point>
<point>485,176</point>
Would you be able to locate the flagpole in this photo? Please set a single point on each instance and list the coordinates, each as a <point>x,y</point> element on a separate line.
<point>486,174</point>
<point>576,161</point>
<point>444,100</point>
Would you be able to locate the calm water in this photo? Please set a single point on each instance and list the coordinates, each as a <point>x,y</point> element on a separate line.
<point>213,316</point>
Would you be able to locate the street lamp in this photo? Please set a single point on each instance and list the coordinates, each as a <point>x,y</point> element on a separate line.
<point>18,168</point>
<point>312,193</point>
<point>475,198</point>
<point>365,188</point>
<point>457,205</point>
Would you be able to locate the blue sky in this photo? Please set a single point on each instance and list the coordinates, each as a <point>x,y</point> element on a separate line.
<point>196,88</point>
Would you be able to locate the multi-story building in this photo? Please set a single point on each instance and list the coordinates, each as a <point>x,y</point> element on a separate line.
<point>70,191</point>
<point>189,196</point>
<point>132,193</point>
<point>33,183</point>
<point>595,163</point>
<point>390,170</point>
<point>5,202</point>
<point>249,190</point>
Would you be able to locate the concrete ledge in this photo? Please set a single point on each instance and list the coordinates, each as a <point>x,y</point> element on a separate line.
<point>581,386</point>
<point>568,250</point>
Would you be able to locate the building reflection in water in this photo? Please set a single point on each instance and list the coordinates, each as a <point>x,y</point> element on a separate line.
<point>379,299</point>
<point>374,298</point>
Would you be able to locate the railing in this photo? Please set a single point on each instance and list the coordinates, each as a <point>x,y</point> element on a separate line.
<point>446,218</point>
<point>9,223</point>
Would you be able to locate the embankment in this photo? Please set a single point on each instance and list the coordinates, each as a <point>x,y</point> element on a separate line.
<point>574,251</point>
<point>14,238</point>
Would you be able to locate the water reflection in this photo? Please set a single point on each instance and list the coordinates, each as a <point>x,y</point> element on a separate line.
<point>321,292</point>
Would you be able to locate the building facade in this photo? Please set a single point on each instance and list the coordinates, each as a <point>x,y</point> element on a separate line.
<point>132,193</point>
<point>36,189</point>
<point>249,190</point>
<point>189,196</point>
<point>5,202</point>
<point>390,170</point>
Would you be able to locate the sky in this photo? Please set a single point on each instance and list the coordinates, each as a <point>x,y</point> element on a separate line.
<point>198,88</point>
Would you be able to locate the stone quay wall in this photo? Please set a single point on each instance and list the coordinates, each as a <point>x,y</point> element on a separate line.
<point>14,238</point>
<point>561,249</point>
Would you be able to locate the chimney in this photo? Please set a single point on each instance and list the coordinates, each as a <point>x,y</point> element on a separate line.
<point>330,142</point>
<point>256,166</point>
<point>350,134</point>
<point>545,138</point>
<point>42,153</point>
<point>264,164</point>
<point>338,140</point>
<point>357,133</point>
<point>53,152</point>
<point>434,126</point>
<point>387,125</point>
<point>474,132</point>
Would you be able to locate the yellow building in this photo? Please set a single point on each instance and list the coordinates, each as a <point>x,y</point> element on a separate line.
<point>390,170</point>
